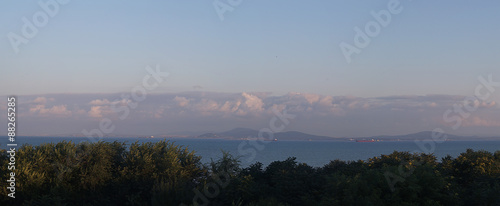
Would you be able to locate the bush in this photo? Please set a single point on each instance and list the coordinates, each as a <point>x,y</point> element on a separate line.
<point>110,173</point>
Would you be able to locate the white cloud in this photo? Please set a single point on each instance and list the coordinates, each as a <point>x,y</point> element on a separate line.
<point>207,105</point>
<point>99,111</point>
<point>59,110</point>
<point>181,101</point>
<point>40,100</point>
<point>100,102</point>
<point>341,115</point>
<point>230,106</point>
<point>311,98</point>
<point>253,102</point>
<point>326,101</point>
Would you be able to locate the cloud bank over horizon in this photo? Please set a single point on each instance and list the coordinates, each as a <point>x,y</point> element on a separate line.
<point>192,112</point>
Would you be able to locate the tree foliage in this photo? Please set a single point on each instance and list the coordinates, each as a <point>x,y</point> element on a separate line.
<point>162,173</point>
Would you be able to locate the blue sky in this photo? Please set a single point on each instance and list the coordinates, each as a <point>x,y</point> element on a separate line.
<point>430,47</point>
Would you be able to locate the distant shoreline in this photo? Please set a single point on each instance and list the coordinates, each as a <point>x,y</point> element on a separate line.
<point>243,139</point>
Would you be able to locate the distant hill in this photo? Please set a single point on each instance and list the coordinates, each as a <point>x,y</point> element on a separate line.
<point>209,135</point>
<point>425,135</point>
<point>243,133</point>
<point>293,135</point>
<point>240,133</point>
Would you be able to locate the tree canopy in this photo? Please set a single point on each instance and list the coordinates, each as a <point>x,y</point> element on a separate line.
<point>162,173</point>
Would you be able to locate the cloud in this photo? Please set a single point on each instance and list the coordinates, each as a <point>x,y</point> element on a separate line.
<point>158,114</point>
<point>239,104</point>
<point>206,106</point>
<point>79,111</point>
<point>318,114</point>
<point>230,106</point>
<point>312,98</point>
<point>59,110</point>
<point>181,101</point>
<point>104,102</point>
<point>40,100</point>
<point>100,102</point>
<point>96,111</point>
<point>480,122</point>
<point>485,104</point>
<point>253,102</point>
<point>326,101</point>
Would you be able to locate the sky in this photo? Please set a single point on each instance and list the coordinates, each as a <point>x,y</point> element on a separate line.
<point>262,54</point>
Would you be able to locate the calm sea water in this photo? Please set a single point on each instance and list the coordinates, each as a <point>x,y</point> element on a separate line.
<point>314,153</point>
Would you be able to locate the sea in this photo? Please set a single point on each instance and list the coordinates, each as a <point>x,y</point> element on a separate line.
<point>313,153</point>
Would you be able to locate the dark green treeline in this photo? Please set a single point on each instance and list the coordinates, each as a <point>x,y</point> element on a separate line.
<point>162,173</point>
